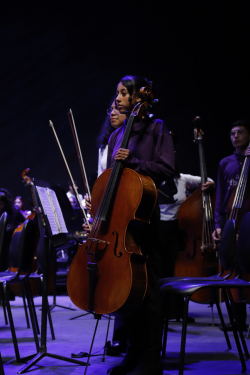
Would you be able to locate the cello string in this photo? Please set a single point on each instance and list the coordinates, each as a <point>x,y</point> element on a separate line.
<point>240,191</point>
<point>233,213</point>
<point>243,182</point>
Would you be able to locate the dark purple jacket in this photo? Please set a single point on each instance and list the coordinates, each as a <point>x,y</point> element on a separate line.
<point>151,147</point>
<point>228,176</point>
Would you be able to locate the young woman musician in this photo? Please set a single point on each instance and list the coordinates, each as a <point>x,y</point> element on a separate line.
<point>149,152</point>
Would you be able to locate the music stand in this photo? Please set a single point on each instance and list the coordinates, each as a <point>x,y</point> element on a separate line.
<point>49,240</point>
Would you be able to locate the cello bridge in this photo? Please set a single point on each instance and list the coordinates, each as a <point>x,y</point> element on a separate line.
<point>99,241</point>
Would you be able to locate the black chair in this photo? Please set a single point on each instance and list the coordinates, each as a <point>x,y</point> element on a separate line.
<point>187,287</point>
<point>226,254</point>
<point>5,239</point>
<point>21,253</point>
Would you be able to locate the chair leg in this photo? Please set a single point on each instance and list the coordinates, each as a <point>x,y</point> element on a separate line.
<point>92,342</point>
<point>237,341</point>
<point>12,328</point>
<point>167,303</point>
<point>51,323</point>
<point>31,311</point>
<point>4,305</point>
<point>243,341</point>
<point>222,320</point>
<point>184,334</point>
<point>106,339</point>
<point>25,306</point>
<point>33,307</point>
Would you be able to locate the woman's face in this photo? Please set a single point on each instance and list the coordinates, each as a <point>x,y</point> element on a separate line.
<point>18,203</point>
<point>124,101</point>
<point>116,118</point>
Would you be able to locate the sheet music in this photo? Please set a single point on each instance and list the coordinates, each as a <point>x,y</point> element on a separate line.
<point>52,210</point>
<point>61,222</point>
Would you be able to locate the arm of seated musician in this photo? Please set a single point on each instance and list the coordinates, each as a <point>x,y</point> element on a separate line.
<point>208,185</point>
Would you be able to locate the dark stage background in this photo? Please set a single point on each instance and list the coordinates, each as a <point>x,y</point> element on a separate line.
<point>56,56</point>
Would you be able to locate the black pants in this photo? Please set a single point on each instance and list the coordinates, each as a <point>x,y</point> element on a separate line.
<point>144,326</point>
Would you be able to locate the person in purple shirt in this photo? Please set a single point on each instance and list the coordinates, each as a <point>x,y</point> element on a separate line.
<point>150,152</point>
<point>229,172</point>
<point>228,176</point>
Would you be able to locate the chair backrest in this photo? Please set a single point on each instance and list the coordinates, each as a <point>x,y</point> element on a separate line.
<point>4,245</point>
<point>227,246</point>
<point>22,247</point>
<point>243,245</point>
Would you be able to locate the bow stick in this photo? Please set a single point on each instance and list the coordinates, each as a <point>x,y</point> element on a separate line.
<point>69,173</point>
<point>78,150</point>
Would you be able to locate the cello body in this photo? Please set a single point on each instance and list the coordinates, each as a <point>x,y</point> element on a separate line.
<point>194,261</point>
<point>120,278</point>
<point>195,217</point>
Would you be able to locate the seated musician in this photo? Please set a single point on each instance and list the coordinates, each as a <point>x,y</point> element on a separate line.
<point>18,202</point>
<point>14,218</point>
<point>228,177</point>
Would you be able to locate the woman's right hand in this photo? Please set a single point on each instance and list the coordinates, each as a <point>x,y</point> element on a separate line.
<point>87,227</point>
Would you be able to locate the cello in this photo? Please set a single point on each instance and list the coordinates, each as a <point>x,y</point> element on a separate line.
<point>108,273</point>
<point>195,218</point>
<point>238,206</point>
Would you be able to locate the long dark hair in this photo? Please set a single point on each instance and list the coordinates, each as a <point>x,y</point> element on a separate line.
<point>105,132</point>
<point>134,83</point>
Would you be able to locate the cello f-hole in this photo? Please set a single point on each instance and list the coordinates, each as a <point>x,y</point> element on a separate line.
<point>194,249</point>
<point>116,242</point>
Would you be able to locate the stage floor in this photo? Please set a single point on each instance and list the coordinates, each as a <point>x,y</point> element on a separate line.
<point>206,349</point>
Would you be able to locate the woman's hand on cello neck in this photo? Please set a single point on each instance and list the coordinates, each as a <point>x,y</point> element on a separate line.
<point>122,154</point>
<point>216,236</point>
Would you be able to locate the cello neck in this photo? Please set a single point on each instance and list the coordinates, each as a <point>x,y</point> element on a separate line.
<point>208,223</point>
<point>203,168</point>
<point>114,177</point>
